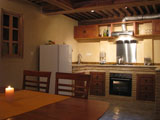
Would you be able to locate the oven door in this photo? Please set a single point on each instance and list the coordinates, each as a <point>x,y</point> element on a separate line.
<point>120,86</point>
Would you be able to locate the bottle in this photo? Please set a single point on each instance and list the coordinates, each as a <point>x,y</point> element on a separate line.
<point>104,32</point>
<point>107,32</point>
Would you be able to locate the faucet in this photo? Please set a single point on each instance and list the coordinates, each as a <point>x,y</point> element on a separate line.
<point>120,59</point>
<point>79,58</point>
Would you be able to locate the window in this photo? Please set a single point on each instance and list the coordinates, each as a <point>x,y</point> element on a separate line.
<point>12,34</point>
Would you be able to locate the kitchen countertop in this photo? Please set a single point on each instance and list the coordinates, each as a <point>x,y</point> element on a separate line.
<point>115,65</point>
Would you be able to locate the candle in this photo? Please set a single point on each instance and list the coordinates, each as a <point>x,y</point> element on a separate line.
<point>9,93</point>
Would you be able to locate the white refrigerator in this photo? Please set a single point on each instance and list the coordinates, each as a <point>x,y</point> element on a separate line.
<point>55,58</point>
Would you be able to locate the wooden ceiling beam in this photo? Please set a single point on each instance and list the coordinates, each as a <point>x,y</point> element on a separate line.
<point>114,15</point>
<point>95,14</point>
<point>106,12</point>
<point>29,2</point>
<point>133,10</point>
<point>110,14</point>
<point>148,11</point>
<point>100,21</point>
<point>126,11</point>
<point>89,3</point>
<point>72,16</point>
<point>140,10</point>
<point>126,1</point>
<point>122,5</point>
<point>154,8</point>
<point>77,16</point>
<point>91,15</point>
<point>118,14</point>
<point>83,15</point>
<point>145,4</point>
<point>121,13</point>
<point>35,1</point>
<point>88,15</point>
<point>63,5</point>
<point>102,14</point>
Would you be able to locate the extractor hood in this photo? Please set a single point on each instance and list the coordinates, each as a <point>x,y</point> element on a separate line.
<point>122,33</point>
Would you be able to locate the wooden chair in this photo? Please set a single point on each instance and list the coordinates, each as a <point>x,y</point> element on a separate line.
<point>36,80</point>
<point>68,84</point>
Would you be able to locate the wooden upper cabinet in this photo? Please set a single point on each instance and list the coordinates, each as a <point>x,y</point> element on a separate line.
<point>156,27</point>
<point>86,31</point>
<point>143,28</point>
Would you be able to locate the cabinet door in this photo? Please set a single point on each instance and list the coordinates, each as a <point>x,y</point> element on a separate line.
<point>97,86</point>
<point>86,31</point>
<point>79,31</point>
<point>98,76</point>
<point>146,87</point>
<point>156,27</point>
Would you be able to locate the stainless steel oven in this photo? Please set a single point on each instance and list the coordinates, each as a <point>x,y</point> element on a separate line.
<point>120,84</point>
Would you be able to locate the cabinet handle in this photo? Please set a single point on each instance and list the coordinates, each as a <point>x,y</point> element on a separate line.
<point>97,77</point>
<point>97,84</point>
<point>151,81</point>
<point>146,96</point>
<point>84,31</point>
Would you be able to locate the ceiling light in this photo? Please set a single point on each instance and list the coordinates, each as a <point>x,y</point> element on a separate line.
<point>92,11</point>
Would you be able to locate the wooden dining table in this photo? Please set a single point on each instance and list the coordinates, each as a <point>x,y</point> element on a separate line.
<point>67,109</point>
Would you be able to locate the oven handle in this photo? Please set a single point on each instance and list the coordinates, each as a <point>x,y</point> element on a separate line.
<point>120,79</point>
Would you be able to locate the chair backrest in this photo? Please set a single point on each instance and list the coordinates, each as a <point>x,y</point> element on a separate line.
<point>36,80</point>
<point>72,84</point>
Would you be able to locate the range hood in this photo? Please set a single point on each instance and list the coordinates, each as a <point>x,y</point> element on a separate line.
<point>122,33</point>
<point>131,18</point>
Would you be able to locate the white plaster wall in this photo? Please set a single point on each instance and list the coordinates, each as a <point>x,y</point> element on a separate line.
<point>38,29</point>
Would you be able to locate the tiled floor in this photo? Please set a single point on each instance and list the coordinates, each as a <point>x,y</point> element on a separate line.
<point>124,109</point>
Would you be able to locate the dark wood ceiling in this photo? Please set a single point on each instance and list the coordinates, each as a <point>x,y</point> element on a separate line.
<point>98,11</point>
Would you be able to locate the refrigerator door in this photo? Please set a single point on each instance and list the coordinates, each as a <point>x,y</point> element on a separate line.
<point>65,65</point>
<point>65,58</point>
<point>49,62</point>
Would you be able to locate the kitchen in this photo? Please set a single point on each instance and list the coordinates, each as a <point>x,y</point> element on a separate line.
<point>123,54</point>
<point>40,28</point>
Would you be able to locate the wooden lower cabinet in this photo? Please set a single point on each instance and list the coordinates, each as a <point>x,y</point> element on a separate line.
<point>146,87</point>
<point>97,85</point>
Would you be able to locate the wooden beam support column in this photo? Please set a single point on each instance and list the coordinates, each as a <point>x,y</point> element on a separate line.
<point>63,5</point>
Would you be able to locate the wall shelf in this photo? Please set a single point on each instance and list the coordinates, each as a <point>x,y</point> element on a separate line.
<point>96,39</point>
